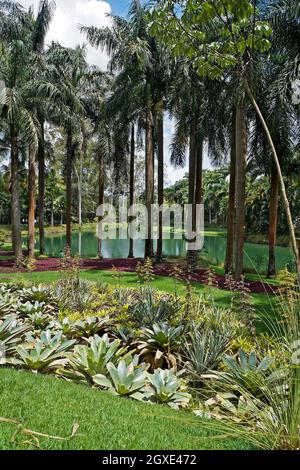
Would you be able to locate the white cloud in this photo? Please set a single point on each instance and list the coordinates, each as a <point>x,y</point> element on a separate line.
<point>69,14</point>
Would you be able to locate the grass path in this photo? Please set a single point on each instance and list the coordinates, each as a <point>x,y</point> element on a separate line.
<point>51,406</point>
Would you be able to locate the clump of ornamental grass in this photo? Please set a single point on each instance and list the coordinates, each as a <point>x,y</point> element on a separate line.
<point>261,398</point>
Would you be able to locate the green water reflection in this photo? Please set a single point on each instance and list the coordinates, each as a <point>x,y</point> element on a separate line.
<point>85,244</point>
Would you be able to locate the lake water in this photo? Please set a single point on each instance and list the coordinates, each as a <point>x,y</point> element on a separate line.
<point>85,244</point>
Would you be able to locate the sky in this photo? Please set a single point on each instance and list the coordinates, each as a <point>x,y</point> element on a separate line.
<point>69,14</point>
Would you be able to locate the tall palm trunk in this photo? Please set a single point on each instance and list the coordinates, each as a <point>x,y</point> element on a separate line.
<point>79,189</point>
<point>286,203</point>
<point>241,161</point>
<point>15,198</point>
<point>52,214</point>
<point>192,183</point>
<point>160,182</point>
<point>199,174</point>
<point>100,193</point>
<point>41,197</point>
<point>149,182</point>
<point>131,182</point>
<point>31,203</point>
<point>69,173</point>
<point>273,219</point>
<point>231,202</point>
<point>198,188</point>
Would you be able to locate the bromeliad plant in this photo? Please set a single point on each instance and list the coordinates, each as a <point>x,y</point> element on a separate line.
<point>39,321</point>
<point>92,359</point>
<point>7,304</point>
<point>38,294</point>
<point>159,346</point>
<point>91,326</point>
<point>124,379</point>
<point>44,354</point>
<point>12,333</point>
<point>166,388</point>
<point>29,308</point>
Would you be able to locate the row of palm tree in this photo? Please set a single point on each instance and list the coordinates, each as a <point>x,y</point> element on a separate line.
<point>54,86</point>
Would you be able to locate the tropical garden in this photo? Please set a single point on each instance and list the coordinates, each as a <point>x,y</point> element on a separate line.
<point>145,335</point>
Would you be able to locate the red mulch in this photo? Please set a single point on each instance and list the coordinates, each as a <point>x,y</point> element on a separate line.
<point>129,265</point>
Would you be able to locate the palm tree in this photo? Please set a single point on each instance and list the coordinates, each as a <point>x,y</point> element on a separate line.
<point>241,163</point>
<point>21,120</point>
<point>274,76</point>
<point>193,103</point>
<point>136,55</point>
<point>40,27</point>
<point>229,260</point>
<point>68,77</point>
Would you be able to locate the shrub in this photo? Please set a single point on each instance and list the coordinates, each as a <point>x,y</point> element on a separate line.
<point>3,238</point>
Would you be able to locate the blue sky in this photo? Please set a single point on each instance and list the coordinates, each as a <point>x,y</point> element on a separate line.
<point>119,7</point>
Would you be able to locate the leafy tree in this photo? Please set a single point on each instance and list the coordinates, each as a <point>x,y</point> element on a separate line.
<point>241,33</point>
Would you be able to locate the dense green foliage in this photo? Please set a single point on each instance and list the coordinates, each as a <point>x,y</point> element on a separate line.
<point>215,199</point>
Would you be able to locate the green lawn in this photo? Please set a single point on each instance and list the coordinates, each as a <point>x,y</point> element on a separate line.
<point>51,406</point>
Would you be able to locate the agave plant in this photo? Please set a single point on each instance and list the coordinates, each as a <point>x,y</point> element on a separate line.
<point>149,309</point>
<point>44,354</point>
<point>124,379</point>
<point>166,388</point>
<point>87,361</point>
<point>91,326</point>
<point>11,333</point>
<point>158,345</point>
<point>204,349</point>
